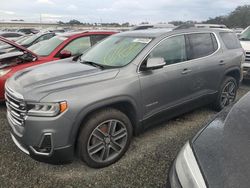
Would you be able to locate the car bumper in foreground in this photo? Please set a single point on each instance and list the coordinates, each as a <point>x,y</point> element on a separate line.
<point>185,171</point>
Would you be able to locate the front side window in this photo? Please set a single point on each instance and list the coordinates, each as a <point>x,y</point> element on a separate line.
<point>201,45</point>
<point>45,48</point>
<point>173,50</point>
<point>115,51</point>
<point>78,45</point>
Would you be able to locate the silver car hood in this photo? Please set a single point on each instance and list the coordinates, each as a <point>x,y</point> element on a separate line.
<point>38,81</point>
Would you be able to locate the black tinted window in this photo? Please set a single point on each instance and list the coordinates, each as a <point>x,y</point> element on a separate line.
<point>201,45</point>
<point>230,40</point>
<point>97,38</point>
<point>173,50</point>
<point>10,35</point>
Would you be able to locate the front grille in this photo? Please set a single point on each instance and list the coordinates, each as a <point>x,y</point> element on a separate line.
<point>248,56</point>
<point>16,108</point>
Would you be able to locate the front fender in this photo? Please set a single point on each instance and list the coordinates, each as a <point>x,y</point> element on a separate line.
<point>98,105</point>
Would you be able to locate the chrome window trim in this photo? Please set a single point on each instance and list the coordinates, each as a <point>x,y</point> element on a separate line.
<point>216,37</point>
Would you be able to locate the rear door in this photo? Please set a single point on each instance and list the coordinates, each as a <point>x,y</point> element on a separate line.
<point>206,62</point>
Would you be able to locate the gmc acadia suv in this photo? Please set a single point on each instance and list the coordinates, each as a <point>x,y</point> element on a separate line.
<point>91,105</point>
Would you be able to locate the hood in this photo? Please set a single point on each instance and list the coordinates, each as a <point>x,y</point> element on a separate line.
<point>39,81</point>
<point>245,45</point>
<point>222,148</point>
<point>21,48</point>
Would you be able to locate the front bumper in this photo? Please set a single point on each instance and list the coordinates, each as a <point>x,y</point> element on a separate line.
<point>246,70</point>
<point>58,155</point>
<point>44,139</point>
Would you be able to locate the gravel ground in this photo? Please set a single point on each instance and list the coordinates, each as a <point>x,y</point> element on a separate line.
<point>144,165</point>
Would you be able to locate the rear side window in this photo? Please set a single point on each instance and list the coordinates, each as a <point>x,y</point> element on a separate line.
<point>201,45</point>
<point>97,38</point>
<point>230,40</point>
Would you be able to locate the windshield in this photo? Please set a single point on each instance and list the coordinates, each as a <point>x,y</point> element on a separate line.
<point>116,51</point>
<point>45,48</point>
<point>29,40</point>
<point>245,35</point>
<point>5,48</point>
<point>21,39</point>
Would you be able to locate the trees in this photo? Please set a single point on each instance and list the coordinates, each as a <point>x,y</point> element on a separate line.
<point>74,22</point>
<point>240,17</point>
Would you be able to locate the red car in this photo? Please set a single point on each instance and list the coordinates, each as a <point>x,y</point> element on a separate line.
<point>15,57</point>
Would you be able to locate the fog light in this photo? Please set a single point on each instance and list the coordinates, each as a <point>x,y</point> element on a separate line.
<point>45,147</point>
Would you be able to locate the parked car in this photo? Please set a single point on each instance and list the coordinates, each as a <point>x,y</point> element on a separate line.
<point>153,26</point>
<point>57,48</point>
<point>245,42</point>
<point>11,35</point>
<point>28,31</point>
<point>33,39</point>
<point>94,105</point>
<point>211,26</point>
<point>26,41</point>
<point>218,155</point>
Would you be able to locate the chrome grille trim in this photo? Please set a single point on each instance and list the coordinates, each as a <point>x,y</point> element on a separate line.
<point>247,56</point>
<point>15,107</point>
<point>19,145</point>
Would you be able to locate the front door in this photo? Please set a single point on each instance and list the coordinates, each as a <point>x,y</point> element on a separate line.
<point>169,86</point>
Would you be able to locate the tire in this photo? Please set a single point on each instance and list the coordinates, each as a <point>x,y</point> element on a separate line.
<point>104,138</point>
<point>223,99</point>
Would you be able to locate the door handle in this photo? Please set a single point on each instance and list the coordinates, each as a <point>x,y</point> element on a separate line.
<point>186,71</point>
<point>222,62</point>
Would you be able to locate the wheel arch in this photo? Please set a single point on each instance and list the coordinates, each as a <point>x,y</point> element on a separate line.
<point>125,104</point>
<point>235,73</point>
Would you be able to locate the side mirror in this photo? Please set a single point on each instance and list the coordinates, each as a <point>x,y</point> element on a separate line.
<point>154,63</point>
<point>65,54</point>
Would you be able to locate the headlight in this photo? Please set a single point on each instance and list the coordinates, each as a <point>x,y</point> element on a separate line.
<point>46,109</point>
<point>187,169</point>
<point>4,71</point>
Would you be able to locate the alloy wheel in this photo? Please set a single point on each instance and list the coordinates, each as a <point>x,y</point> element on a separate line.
<point>107,140</point>
<point>228,94</point>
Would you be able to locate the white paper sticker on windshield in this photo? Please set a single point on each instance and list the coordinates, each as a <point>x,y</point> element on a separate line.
<point>142,40</point>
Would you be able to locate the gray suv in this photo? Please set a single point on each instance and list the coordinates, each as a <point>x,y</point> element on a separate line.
<point>91,105</point>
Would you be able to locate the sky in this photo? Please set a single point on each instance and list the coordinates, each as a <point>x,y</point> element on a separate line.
<point>102,11</point>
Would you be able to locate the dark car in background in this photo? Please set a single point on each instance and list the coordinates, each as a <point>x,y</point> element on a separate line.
<point>28,31</point>
<point>218,156</point>
<point>94,104</point>
<point>12,35</point>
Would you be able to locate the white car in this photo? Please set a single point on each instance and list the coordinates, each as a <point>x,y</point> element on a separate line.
<point>245,42</point>
<point>212,26</point>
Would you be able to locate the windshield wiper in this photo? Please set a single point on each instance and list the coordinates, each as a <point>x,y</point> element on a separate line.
<point>245,39</point>
<point>93,64</point>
